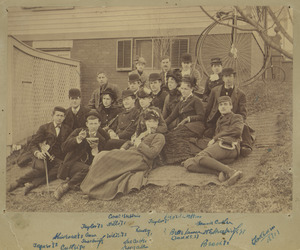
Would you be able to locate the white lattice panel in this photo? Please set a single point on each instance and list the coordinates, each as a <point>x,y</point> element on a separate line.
<point>38,83</point>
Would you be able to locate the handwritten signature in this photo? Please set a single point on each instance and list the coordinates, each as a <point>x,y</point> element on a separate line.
<point>269,234</point>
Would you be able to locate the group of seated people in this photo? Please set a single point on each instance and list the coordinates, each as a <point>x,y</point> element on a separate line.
<point>110,146</point>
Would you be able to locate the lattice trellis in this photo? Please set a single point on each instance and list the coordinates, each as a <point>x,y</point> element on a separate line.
<point>38,83</point>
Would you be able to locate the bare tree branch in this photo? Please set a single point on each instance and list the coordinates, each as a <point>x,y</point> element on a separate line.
<point>264,36</point>
<point>278,24</point>
<point>225,24</point>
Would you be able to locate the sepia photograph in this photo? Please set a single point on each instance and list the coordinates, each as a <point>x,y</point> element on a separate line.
<point>171,109</point>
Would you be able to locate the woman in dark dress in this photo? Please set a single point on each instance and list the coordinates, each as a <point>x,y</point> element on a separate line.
<point>171,100</point>
<point>108,110</point>
<point>121,170</point>
<point>190,114</point>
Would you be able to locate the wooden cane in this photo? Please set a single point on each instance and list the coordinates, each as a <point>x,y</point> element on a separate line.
<point>47,179</point>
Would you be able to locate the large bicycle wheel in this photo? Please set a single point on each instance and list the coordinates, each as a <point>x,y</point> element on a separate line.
<point>246,54</point>
<point>274,74</point>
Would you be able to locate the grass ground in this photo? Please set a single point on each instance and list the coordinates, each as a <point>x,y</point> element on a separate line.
<point>268,190</point>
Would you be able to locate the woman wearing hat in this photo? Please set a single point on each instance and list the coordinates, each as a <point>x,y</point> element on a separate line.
<point>145,102</point>
<point>107,109</point>
<point>188,70</point>
<point>121,170</point>
<point>190,114</point>
<point>171,100</point>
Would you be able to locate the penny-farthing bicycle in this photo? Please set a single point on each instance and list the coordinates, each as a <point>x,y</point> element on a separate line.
<point>239,47</point>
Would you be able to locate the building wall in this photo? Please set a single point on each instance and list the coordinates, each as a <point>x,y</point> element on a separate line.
<point>96,55</point>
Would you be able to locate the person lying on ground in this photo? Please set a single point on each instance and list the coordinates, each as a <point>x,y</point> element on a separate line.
<point>225,145</point>
<point>121,170</point>
<point>239,106</point>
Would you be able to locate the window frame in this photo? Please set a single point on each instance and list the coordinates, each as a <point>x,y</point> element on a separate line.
<point>152,45</point>
<point>117,53</point>
<point>188,47</point>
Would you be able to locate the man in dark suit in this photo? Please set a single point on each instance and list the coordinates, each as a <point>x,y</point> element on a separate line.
<point>165,64</point>
<point>46,148</point>
<point>225,145</point>
<point>80,148</point>
<point>75,114</point>
<point>158,94</point>
<point>238,98</point>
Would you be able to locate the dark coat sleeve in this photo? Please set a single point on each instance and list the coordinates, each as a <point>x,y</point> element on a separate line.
<point>234,130</point>
<point>71,143</point>
<point>173,115</point>
<point>153,150</point>
<point>242,106</point>
<point>37,138</point>
<point>165,110</point>
<point>206,90</point>
<point>198,107</point>
<point>210,104</point>
<point>131,128</point>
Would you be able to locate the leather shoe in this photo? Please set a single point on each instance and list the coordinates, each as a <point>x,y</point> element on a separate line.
<point>61,190</point>
<point>28,188</point>
<point>13,186</point>
<point>234,178</point>
<point>222,177</point>
<point>245,151</point>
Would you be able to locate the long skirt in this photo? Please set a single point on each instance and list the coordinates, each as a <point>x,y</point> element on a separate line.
<point>178,145</point>
<point>114,172</point>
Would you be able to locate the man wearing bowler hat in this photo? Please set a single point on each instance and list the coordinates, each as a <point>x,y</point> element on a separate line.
<point>158,95</point>
<point>75,114</point>
<point>80,148</point>
<point>134,82</point>
<point>239,106</point>
<point>125,123</point>
<point>214,79</point>
<point>140,64</point>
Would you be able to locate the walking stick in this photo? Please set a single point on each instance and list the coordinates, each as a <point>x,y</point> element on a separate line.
<point>45,147</point>
<point>46,171</point>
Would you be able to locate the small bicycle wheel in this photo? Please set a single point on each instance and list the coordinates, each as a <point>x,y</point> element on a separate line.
<point>274,74</point>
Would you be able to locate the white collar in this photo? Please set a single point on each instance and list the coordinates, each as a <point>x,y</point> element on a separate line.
<point>76,109</point>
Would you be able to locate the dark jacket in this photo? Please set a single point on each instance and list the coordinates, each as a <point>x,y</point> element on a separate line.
<point>163,75</point>
<point>229,128</point>
<point>209,85</point>
<point>238,103</point>
<point>159,99</point>
<point>192,107</point>
<point>77,152</point>
<point>47,133</point>
<point>170,103</point>
<point>126,122</point>
<point>107,114</point>
<point>95,100</point>
<point>78,120</point>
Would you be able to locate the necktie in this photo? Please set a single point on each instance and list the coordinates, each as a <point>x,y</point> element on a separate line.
<point>57,129</point>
